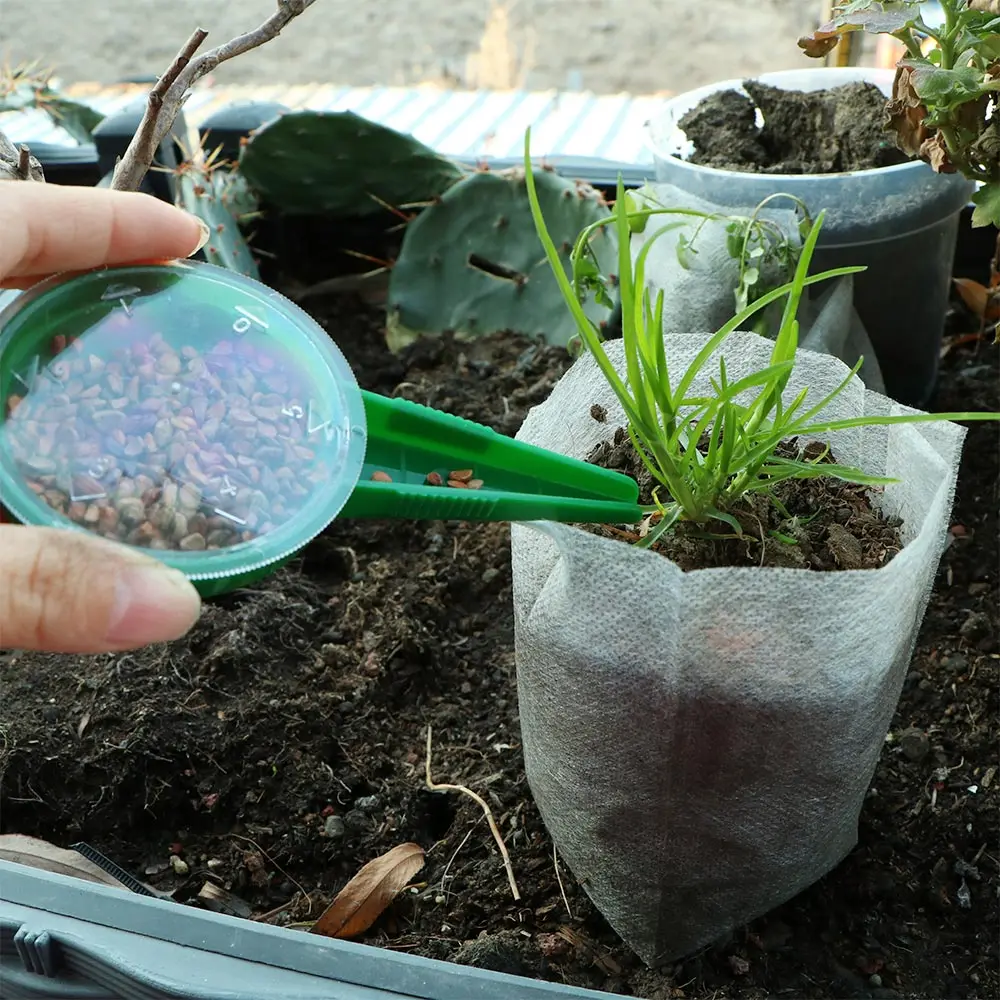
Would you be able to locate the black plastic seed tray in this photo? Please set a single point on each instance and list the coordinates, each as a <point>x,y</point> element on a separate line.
<point>70,939</point>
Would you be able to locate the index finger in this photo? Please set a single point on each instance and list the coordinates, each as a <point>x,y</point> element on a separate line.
<point>48,228</point>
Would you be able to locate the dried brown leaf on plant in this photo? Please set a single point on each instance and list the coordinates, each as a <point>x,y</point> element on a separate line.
<point>366,897</point>
<point>906,113</point>
<point>986,6</point>
<point>875,21</point>
<point>821,42</point>
<point>982,301</point>
<point>35,853</point>
<point>935,152</point>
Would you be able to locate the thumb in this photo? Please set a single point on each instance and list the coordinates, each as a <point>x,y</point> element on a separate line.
<point>64,592</point>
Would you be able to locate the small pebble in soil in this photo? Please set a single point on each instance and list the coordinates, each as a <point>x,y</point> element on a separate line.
<point>976,627</point>
<point>214,864</point>
<point>504,952</point>
<point>356,820</point>
<point>179,865</point>
<point>846,549</point>
<point>599,413</point>
<point>366,803</point>
<point>740,966</point>
<point>333,827</point>
<point>914,743</point>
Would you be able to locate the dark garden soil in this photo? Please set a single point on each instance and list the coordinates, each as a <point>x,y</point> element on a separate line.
<point>281,745</point>
<point>823,132</point>
<point>821,524</point>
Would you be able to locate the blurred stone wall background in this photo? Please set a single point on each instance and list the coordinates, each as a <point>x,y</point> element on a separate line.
<point>641,46</point>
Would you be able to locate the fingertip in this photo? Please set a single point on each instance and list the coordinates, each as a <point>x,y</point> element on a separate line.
<point>152,603</point>
<point>63,591</point>
<point>49,228</point>
<point>204,235</point>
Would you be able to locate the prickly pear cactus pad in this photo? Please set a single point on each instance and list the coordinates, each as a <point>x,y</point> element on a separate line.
<point>220,200</point>
<point>472,263</point>
<point>236,194</point>
<point>340,164</point>
<point>20,90</point>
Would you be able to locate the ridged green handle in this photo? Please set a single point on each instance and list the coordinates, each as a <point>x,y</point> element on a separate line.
<point>521,482</point>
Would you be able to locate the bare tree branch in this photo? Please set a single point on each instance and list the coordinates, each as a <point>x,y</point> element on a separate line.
<point>171,90</point>
<point>17,163</point>
<point>132,167</point>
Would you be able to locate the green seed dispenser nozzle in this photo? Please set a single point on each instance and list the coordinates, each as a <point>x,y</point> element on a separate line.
<point>198,414</point>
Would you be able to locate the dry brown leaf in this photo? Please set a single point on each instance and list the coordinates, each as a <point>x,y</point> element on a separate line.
<point>935,152</point>
<point>986,6</point>
<point>35,853</point>
<point>363,900</point>
<point>821,42</point>
<point>906,113</point>
<point>982,301</point>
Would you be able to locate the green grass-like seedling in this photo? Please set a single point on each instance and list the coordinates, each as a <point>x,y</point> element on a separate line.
<point>707,451</point>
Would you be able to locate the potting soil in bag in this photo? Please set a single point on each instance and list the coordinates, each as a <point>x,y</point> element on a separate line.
<point>699,284</point>
<point>700,744</point>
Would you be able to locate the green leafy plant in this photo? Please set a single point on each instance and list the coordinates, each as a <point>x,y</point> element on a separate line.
<point>25,87</point>
<point>944,102</point>
<point>754,241</point>
<point>706,452</point>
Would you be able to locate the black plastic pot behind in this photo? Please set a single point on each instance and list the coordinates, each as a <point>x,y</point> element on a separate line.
<point>907,345</point>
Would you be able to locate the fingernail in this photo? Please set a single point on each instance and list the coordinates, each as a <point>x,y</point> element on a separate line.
<point>153,603</point>
<point>205,235</point>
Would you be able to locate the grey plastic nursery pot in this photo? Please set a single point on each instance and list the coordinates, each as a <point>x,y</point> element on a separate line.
<point>63,937</point>
<point>901,222</point>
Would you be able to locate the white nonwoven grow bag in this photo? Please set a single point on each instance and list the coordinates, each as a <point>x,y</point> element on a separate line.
<point>698,295</point>
<point>700,744</point>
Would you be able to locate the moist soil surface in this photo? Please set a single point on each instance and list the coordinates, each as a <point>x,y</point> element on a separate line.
<point>821,524</point>
<point>823,132</point>
<point>281,745</point>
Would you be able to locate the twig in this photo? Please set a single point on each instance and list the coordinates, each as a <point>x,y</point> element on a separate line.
<point>24,162</point>
<point>237,836</point>
<point>562,889</point>
<point>265,917</point>
<point>171,90</point>
<point>132,167</point>
<point>17,163</point>
<point>435,787</point>
<point>447,867</point>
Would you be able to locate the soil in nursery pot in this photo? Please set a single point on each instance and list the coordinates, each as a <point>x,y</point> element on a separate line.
<point>822,132</point>
<point>281,745</point>
<point>822,524</point>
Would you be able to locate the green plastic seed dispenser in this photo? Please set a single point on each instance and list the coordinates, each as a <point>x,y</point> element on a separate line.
<point>200,415</point>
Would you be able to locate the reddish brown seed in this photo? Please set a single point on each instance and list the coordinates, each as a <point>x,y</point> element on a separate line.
<point>474,484</point>
<point>457,484</point>
<point>434,479</point>
<point>381,477</point>
<point>461,475</point>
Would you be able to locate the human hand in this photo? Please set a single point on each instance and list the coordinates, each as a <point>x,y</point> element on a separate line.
<point>64,591</point>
